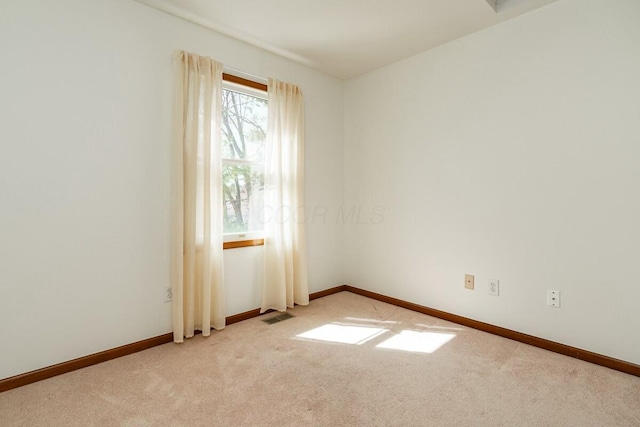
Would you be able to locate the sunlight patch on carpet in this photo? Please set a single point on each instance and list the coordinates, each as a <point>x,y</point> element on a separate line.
<point>417,342</point>
<point>342,334</point>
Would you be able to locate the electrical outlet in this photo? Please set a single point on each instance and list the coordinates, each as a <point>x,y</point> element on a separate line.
<point>494,287</point>
<point>168,294</point>
<point>468,281</point>
<point>553,298</point>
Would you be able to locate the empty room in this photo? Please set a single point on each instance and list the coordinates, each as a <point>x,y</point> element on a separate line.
<point>320,212</point>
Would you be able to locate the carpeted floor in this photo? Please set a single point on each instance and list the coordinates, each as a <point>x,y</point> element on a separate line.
<point>391,367</point>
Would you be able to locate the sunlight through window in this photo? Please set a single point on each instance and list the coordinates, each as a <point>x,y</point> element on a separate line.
<point>417,342</point>
<point>342,334</point>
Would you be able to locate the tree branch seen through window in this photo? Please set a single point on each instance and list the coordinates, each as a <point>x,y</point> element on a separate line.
<point>244,125</point>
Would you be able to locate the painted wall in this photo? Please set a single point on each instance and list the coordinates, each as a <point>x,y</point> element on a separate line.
<point>85,126</point>
<point>512,154</point>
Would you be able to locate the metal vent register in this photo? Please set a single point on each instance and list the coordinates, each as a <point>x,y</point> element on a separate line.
<point>278,318</point>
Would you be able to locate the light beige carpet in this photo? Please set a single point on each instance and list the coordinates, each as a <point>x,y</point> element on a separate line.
<point>394,368</point>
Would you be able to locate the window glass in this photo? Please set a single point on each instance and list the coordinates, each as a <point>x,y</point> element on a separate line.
<point>244,127</point>
<point>243,187</point>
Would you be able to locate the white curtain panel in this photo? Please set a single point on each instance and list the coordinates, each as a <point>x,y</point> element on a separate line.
<point>196,258</point>
<point>285,262</point>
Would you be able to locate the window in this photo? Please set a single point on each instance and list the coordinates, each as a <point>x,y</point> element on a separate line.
<point>244,133</point>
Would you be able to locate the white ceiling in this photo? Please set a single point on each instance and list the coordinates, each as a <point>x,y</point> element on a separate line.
<point>346,38</point>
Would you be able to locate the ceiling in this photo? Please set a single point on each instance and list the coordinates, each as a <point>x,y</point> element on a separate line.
<point>346,38</point>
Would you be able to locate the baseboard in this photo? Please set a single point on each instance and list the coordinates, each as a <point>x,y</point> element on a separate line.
<point>598,359</point>
<point>103,356</point>
<point>327,292</point>
<point>82,362</point>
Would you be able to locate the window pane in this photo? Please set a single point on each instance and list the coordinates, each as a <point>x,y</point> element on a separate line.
<point>244,125</point>
<point>243,187</point>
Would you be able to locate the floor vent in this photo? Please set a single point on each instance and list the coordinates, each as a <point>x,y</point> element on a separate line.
<point>278,318</point>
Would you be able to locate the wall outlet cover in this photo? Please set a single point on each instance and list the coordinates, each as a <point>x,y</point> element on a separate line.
<point>494,287</point>
<point>553,298</point>
<point>168,294</point>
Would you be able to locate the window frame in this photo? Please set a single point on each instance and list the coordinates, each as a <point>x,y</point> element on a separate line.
<point>260,90</point>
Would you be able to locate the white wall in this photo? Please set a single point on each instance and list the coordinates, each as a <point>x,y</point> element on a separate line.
<point>85,126</point>
<point>513,154</point>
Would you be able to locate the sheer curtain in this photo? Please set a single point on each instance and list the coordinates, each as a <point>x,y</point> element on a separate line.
<point>196,248</point>
<point>285,263</point>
